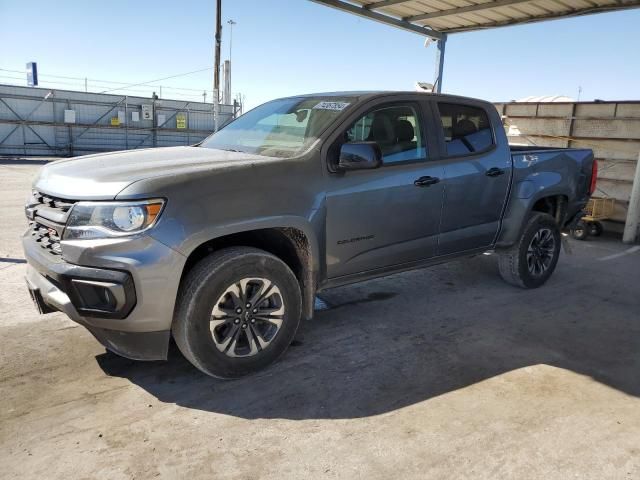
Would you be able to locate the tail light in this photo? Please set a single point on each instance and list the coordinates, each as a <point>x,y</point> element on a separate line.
<point>594,177</point>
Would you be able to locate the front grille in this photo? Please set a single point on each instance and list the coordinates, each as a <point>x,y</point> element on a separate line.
<point>47,238</point>
<point>47,218</point>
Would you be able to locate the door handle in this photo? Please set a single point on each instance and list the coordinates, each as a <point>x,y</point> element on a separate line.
<point>494,172</point>
<point>426,181</point>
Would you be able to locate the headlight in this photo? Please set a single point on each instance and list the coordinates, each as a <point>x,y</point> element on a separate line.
<point>111,219</point>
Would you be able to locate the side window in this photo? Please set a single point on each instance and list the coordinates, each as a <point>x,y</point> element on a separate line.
<point>466,129</point>
<point>396,129</point>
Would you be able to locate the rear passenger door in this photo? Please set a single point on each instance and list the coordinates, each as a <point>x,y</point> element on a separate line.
<point>477,175</point>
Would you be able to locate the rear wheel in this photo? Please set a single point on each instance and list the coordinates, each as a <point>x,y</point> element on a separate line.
<point>238,311</point>
<point>530,262</point>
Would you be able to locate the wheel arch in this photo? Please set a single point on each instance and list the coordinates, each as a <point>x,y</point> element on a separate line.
<point>554,203</point>
<point>294,246</point>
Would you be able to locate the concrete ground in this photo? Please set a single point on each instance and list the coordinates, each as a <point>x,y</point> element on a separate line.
<point>440,373</point>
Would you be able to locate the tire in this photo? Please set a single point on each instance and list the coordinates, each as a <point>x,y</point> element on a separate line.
<point>580,231</point>
<point>216,326</point>
<point>595,229</point>
<point>532,260</point>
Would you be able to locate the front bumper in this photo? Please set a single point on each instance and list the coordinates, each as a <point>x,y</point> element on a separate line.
<point>142,275</point>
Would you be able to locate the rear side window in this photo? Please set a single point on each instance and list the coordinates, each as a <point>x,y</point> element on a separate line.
<point>466,129</point>
<point>396,129</point>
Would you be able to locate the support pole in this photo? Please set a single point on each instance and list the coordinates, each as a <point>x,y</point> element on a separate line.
<point>226,95</point>
<point>632,225</point>
<point>441,44</point>
<point>216,66</point>
<point>216,109</point>
<point>218,39</point>
<point>231,24</point>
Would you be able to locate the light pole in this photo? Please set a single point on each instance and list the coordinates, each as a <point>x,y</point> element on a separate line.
<point>231,24</point>
<point>216,66</point>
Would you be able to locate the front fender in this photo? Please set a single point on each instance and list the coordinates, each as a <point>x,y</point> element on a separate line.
<point>307,226</point>
<point>311,260</point>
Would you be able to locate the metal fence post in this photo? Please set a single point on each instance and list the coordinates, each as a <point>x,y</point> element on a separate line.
<point>69,130</point>
<point>56,149</point>
<point>126,122</point>
<point>188,126</point>
<point>632,224</point>
<point>24,139</point>
<point>155,121</point>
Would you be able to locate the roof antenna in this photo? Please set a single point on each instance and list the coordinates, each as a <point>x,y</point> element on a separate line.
<point>424,87</point>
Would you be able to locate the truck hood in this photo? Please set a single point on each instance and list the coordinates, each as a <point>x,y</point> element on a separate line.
<point>103,176</point>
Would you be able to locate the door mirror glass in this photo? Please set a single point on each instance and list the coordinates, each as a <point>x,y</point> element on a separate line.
<point>360,156</point>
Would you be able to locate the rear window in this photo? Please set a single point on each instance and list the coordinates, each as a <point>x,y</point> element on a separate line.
<point>466,129</point>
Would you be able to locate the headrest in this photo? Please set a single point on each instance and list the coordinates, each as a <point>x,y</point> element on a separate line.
<point>404,131</point>
<point>381,129</point>
<point>464,127</point>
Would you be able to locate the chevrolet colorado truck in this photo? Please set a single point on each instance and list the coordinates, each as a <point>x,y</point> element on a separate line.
<point>224,245</point>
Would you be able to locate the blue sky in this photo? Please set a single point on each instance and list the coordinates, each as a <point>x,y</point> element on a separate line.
<point>285,47</point>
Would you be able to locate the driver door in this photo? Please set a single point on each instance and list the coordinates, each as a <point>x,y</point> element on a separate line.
<point>389,216</point>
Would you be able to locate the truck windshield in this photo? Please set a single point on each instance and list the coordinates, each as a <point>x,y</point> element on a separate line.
<point>280,128</point>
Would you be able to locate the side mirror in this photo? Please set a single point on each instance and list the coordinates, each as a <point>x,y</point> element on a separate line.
<point>360,156</point>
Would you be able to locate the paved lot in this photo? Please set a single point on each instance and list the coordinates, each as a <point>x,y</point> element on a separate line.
<point>441,373</point>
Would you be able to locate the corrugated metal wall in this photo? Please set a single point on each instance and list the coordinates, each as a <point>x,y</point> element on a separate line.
<point>611,129</point>
<point>32,122</point>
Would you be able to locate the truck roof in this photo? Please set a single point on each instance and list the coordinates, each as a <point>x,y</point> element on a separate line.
<point>368,94</point>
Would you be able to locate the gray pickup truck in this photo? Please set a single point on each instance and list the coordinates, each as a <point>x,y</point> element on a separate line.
<point>225,244</point>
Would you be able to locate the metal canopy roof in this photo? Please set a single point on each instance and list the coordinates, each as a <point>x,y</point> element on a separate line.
<point>435,17</point>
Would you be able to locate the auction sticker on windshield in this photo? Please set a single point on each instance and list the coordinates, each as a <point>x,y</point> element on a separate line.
<point>331,106</point>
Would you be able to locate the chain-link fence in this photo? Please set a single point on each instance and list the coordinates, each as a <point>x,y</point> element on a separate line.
<point>51,122</point>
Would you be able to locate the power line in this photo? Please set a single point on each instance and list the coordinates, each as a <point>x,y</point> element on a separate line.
<point>160,79</point>
<point>46,75</point>
<point>125,85</point>
<point>43,81</point>
<point>131,92</point>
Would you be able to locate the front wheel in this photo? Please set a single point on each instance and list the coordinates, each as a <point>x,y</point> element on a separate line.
<point>238,310</point>
<point>530,262</point>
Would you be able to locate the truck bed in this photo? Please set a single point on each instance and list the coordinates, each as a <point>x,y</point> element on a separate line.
<point>546,171</point>
<point>533,148</point>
